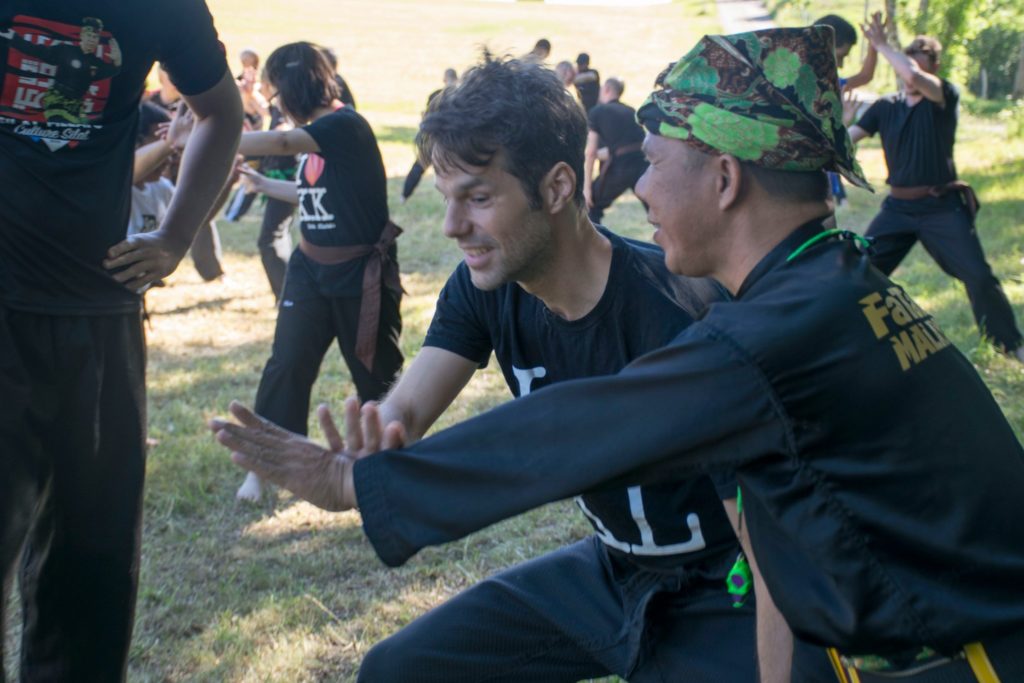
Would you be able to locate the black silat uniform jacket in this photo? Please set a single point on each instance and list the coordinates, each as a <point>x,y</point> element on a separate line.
<point>881,482</point>
<point>643,308</point>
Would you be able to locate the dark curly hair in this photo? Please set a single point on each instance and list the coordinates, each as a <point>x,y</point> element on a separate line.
<point>509,106</point>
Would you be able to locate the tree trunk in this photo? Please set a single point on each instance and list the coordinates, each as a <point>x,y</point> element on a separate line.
<point>984,83</point>
<point>1018,82</point>
<point>921,25</point>
<point>890,10</point>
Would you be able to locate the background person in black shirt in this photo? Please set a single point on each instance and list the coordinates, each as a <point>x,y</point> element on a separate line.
<point>72,352</point>
<point>342,282</point>
<point>926,202</point>
<point>419,167</point>
<point>587,82</point>
<point>613,127</point>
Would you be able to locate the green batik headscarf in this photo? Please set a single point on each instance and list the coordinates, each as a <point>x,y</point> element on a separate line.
<point>767,97</point>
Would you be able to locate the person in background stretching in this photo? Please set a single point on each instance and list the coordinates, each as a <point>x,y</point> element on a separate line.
<point>419,167</point>
<point>342,282</point>
<point>926,200</point>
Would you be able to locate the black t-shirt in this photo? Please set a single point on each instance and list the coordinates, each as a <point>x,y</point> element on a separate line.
<point>68,120</point>
<point>589,91</point>
<point>642,309</point>
<point>918,140</point>
<point>616,124</point>
<point>343,198</point>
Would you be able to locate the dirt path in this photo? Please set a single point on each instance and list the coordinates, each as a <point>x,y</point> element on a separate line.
<point>738,16</point>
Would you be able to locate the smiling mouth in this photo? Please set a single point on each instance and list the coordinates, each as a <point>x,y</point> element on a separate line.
<point>475,251</point>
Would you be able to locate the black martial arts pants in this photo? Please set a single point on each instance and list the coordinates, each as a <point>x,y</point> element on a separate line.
<point>72,461</point>
<point>307,322</point>
<point>617,177</point>
<point>275,242</point>
<point>573,614</point>
<point>947,232</point>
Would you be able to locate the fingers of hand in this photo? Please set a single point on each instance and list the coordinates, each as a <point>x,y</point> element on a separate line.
<point>254,465</point>
<point>330,429</point>
<point>353,428</point>
<point>123,247</point>
<point>370,420</point>
<point>394,436</point>
<point>244,415</point>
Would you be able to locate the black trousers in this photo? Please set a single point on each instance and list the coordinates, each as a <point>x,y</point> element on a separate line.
<point>72,461</point>
<point>307,322</point>
<point>275,242</point>
<point>573,614</point>
<point>947,232</point>
<point>617,177</point>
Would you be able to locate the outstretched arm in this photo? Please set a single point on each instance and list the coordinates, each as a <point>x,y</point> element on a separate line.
<point>867,68</point>
<point>673,412</point>
<point>431,383</point>
<point>285,190</point>
<point>277,143</point>
<point>906,68</point>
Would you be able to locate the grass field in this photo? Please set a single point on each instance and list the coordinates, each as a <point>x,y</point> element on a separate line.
<point>284,592</point>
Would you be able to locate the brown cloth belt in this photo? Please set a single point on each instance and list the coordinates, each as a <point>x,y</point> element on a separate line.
<point>380,268</point>
<point>626,149</point>
<point>965,191</point>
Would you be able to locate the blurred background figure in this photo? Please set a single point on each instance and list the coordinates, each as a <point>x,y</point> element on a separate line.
<point>540,52</point>
<point>412,179</point>
<point>615,138</point>
<point>587,82</point>
<point>346,97</point>
<point>566,73</point>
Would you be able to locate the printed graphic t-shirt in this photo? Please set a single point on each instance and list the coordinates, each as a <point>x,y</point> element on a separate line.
<point>343,197</point>
<point>642,309</point>
<point>73,73</point>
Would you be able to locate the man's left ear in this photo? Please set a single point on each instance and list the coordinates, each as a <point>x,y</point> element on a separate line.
<point>730,179</point>
<point>558,187</point>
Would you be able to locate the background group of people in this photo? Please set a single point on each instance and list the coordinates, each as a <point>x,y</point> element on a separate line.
<point>747,413</point>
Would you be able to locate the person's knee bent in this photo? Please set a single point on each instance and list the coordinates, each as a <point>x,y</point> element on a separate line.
<point>386,662</point>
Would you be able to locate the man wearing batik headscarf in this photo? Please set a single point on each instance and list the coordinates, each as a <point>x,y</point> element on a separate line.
<point>879,479</point>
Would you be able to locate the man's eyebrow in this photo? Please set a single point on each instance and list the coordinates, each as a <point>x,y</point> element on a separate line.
<point>463,186</point>
<point>469,184</point>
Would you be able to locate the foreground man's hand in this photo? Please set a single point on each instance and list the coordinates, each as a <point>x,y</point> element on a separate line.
<point>322,476</point>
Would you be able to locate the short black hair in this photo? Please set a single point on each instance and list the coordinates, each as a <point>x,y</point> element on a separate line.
<point>93,23</point>
<point>543,44</point>
<point>790,186</point>
<point>515,108</point>
<point>583,59</point>
<point>846,34</point>
<point>303,78</point>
